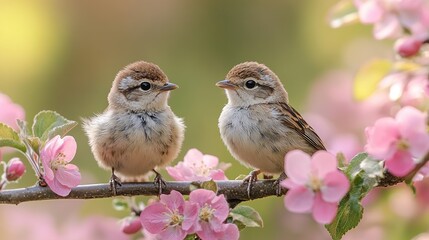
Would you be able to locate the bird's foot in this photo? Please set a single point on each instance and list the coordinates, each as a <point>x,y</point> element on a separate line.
<point>114,182</point>
<point>159,182</point>
<point>277,184</point>
<point>250,179</point>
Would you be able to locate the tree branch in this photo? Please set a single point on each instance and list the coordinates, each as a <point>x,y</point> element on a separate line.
<point>235,191</point>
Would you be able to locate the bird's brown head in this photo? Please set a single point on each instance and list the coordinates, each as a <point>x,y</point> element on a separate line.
<point>252,83</point>
<point>140,86</point>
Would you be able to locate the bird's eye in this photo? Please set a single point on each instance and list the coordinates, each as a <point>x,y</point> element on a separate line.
<point>145,86</point>
<point>250,84</point>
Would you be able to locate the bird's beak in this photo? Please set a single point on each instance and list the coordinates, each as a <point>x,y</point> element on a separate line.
<point>168,87</point>
<point>226,84</point>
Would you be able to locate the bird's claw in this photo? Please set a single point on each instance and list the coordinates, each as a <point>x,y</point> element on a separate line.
<point>114,182</point>
<point>277,184</point>
<point>159,182</point>
<point>250,179</point>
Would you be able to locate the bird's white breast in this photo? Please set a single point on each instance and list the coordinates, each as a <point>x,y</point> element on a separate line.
<point>256,136</point>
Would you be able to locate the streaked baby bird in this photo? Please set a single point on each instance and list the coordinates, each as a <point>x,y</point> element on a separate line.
<point>258,125</point>
<point>138,131</point>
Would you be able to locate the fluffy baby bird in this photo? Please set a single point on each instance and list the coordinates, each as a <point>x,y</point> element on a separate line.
<point>138,131</point>
<point>258,125</point>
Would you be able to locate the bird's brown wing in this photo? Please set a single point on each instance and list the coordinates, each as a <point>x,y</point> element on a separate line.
<point>292,119</point>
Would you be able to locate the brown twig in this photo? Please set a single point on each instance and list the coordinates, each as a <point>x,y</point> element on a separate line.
<point>235,191</point>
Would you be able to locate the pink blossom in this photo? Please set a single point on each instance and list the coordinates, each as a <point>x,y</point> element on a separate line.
<point>213,211</point>
<point>400,141</point>
<point>59,174</point>
<point>391,18</point>
<point>315,184</point>
<point>408,88</point>
<point>198,167</point>
<point>168,218</point>
<point>10,112</point>
<point>14,169</point>
<point>408,46</point>
<point>131,225</point>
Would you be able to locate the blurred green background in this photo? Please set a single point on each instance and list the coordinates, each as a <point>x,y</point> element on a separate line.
<point>63,56</point>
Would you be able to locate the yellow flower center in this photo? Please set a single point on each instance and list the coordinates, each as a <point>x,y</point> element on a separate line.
<point>206,213</point>
<point>315,183</point>
<point>175,219</point>
<point>58,161</point>
<point>402,145</point>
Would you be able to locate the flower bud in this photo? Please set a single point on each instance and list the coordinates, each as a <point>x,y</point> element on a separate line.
<point>14,169</point>
<point>131,225</point>
<point>407,47</point>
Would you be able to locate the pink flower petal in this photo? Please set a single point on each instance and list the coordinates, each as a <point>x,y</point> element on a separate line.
<point>68,148</point>
<point>297,166</point>
<point>221,207</point>
<point>410,120</point>
<point>412,125</point>
<point>193,158</point>
<point>217,174</point>
<point>299,200</point>
<point>388,27</point>
<point>201,196</point>
<point>287,183</point>
<point>48,173</point>
<point>172,233</point>
<point>180,172</point>
<point>229,232</point>
<point>68,175</point>
<point>324,212</point>
<point>322,163</point>
<point>210,161</point>
<point>173,201</point>
<point>10,112</point>
<point>58,188</point>
<point>190,221</point>
<point>154,218</point>
<point>381,138</point>
<point>370,12</point>
<point>400,164</point>
<point>336,186</point>
<point>50,151</point>
<point>206,232</point>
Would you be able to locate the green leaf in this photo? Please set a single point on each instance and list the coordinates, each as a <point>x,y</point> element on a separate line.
<point>35,143</point>
<point>350,211</point>
<point>248,216</point>
<point>210,185</point>
<point>10,138</point>
<point>48,124</point>
<point>354,167</point>
<point>368,77</point>
<point>190,237</point>
<point>343,13</point>
<point>341,159</point>
<point>373,168</point>
<point>119,204</point>
<point>364,173</point>
<point>240,225</point>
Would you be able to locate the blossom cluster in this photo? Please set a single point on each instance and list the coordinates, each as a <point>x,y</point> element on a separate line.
<point>198,167</point>
<point>401,141</point>
<point>52,164</point>
<point>406,20</point>
<point>204,214</point>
